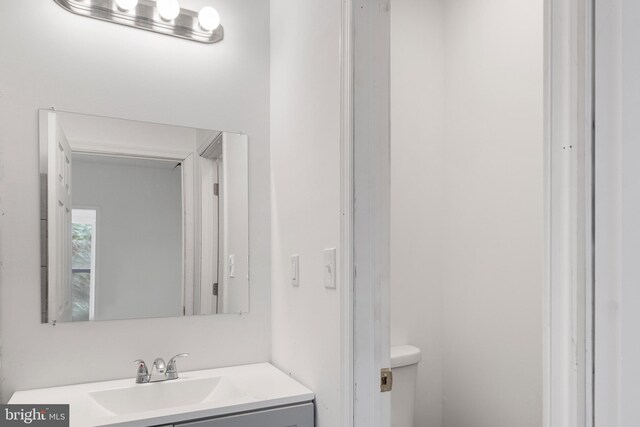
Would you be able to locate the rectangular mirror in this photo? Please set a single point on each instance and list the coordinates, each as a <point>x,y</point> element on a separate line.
<point>141,219</point>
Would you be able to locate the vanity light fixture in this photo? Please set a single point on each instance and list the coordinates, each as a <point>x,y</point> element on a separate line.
<point>126,4</point>
<point>209,18</point>
<point>161,16</point>
<point>168,9</point>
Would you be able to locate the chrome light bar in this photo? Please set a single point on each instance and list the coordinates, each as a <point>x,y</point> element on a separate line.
<point>145,16</point>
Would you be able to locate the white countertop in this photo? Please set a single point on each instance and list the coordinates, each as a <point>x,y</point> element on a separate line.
<point>261,385</point>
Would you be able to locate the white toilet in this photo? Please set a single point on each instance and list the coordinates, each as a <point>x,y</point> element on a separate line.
<point>404,365</point>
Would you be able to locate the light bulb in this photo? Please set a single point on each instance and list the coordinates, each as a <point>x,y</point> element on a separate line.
<point>209,18</point>
<point>126,4</point>
<point>168,9</point>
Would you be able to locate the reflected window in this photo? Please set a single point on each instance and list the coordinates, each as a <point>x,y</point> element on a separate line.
<point>83,263</point>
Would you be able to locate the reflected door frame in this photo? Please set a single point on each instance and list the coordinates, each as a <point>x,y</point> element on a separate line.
<point>186,159</point>
<point>210,250</point>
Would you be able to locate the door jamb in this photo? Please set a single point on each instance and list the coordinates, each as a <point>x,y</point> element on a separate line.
<point>568,291</point>
<point>569,248</point>
<point>366,210</point>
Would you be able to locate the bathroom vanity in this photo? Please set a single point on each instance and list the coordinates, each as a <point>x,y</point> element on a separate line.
<point>257,395</point>
<point>135,211</point>
<point>288,416</point>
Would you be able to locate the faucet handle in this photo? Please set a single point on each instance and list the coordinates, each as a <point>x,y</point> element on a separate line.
<point>141,365</point>
<point>142,376</point>
<point>172,371</point>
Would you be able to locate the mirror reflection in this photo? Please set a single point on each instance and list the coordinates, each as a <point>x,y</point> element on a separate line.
<point>141,219</point>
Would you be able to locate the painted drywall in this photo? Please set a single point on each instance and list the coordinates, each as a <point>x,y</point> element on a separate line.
<point>305,194</point>
<point>609,194</point>
<point>138,235</point>
<point>617,342</point>
<point>494,226</point>
<point>617,239</point>
<point>417,210</point>
<point>84,65</point>
<point>467,207</point>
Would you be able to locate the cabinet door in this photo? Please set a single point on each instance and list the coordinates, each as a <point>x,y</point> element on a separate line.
<point>290,416</point>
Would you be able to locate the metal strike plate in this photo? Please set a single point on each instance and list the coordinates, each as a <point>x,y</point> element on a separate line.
<point>386,380</point>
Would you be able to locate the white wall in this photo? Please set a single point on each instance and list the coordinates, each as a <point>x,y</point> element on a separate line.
<point>617,239</point>
<point>138,236</point>
<point>84,65</point>
<point>494,225</point>
<point>417,209</point>
<point>608,215</point>
<point>467,213</point>
<point>305,191</point>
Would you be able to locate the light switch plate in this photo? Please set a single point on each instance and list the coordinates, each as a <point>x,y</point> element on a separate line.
<point>330,268</point>
<point>295,270</point>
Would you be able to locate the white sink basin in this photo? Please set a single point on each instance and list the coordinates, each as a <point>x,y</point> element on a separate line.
<point>195,395</point>
<point>165,394</point>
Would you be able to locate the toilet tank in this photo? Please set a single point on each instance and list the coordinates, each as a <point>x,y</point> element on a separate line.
<point>404,365</point>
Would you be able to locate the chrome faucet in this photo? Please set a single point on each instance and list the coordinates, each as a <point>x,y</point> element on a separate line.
<point>159,370</point>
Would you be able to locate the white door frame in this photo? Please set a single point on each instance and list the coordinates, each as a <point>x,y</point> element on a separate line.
<point>346,217</point>
<point>568,142</point>
<point>568,292</point>
<point>365,211</point>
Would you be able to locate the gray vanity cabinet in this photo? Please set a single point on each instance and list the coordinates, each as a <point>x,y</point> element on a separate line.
<point>288,416</point>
